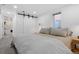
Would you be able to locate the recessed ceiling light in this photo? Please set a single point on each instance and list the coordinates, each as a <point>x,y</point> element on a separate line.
<point>15,6</point>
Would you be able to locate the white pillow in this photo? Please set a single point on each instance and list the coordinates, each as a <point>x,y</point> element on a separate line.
<point>58,32</point>
<point>45,30</point>
<point>69,32</point>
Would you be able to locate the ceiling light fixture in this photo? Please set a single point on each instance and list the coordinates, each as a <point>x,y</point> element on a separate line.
<point>24,14</point>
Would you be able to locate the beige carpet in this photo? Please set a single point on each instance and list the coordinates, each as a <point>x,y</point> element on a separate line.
<point>5,45</point>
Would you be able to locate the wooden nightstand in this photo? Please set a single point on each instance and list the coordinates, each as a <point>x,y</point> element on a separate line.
<point>75,45</point>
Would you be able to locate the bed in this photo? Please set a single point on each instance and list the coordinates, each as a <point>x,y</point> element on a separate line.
<point>39,44</point>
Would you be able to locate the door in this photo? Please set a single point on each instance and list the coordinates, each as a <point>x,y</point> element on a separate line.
<point>7,25</point>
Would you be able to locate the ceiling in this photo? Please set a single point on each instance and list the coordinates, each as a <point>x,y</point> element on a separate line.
<point>35,9</point>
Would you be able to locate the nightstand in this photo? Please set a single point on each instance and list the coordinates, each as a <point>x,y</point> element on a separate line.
<point>75,44</point>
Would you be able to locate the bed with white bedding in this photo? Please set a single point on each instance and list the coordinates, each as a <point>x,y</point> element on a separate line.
<point>39,44</point>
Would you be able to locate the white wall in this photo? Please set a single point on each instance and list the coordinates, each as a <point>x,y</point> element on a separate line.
<point>46,20</point>
<point>1,29</point>
<point>70,16</point>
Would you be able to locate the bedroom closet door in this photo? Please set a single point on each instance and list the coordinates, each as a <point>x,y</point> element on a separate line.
<point>7,25</point>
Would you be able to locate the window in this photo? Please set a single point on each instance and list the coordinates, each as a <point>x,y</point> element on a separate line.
<point>57,20</point>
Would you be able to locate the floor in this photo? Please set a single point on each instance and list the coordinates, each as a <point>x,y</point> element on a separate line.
<point>5,45</point>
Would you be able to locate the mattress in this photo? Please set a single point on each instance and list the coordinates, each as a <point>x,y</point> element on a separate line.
<point>40,44</point>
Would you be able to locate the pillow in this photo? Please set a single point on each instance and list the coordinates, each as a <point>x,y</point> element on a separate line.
<point>69,33</point>
<point>45,30</point>
<point>58,32</point>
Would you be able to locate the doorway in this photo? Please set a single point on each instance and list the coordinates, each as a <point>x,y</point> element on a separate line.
<point>7,25</point>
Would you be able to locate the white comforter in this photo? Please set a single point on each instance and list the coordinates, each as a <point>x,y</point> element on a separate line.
<point>37,44</point>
